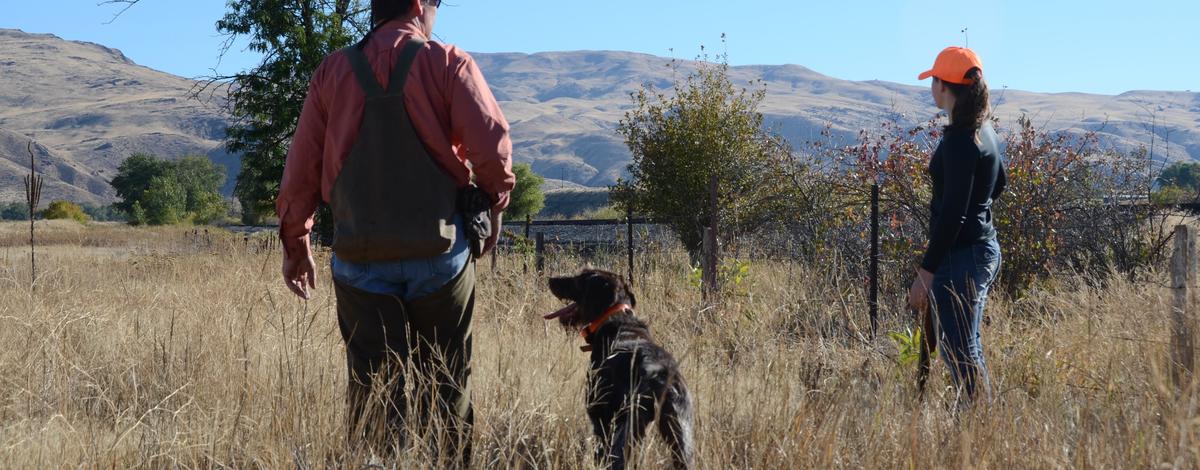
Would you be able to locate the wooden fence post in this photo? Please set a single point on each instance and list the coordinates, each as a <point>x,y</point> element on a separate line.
<point>1183,283</point>
<point>874,271</point>
<point>540,250</point>
<point>494,250</point>
<point>708,265</point>
<point>528,222</point>
<point>712,245</point>
<point>629,241</point>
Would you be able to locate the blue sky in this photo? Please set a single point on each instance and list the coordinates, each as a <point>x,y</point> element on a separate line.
<point>1045,45</point>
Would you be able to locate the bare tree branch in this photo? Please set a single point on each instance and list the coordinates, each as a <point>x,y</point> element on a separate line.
<point>128,4</point>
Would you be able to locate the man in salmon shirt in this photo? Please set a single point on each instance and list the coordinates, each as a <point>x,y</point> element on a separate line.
<point>391,132</point>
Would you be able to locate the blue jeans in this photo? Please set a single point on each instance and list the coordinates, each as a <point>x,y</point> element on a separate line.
<point>960,289</point>
<point>410,279</point>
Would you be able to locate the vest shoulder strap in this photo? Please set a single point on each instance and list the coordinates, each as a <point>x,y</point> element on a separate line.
<point>362,70</point>
<point>400,75</point>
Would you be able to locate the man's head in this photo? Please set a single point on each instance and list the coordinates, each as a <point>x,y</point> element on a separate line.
<point>422,11</point>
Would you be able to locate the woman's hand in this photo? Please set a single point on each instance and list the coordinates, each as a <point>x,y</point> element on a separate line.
<point>918,294</point>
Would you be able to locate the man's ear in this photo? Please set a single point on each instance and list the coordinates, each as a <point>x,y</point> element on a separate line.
<point>418,7</point>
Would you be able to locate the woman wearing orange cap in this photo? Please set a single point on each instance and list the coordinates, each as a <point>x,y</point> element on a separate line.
<point>963,255</point>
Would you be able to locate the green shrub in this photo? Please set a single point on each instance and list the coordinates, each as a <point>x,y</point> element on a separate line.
<point>733,276</point>
<point>908,346</point>
<point>1171,195</point>
<point>706,128</point>
<point>65,210</point>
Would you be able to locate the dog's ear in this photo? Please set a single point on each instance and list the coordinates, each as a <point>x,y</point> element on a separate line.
<point>598,293</point>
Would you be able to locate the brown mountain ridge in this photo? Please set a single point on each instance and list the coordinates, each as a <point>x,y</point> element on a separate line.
<point>89,107</point>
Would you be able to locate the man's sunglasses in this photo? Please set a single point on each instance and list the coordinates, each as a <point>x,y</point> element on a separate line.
<point>434,3</point>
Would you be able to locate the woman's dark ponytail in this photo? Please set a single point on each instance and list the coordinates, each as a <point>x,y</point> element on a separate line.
<point>971,108</point>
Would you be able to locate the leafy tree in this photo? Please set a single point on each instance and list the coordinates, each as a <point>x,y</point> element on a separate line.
<point>1171,195</point>
<point>137,214</point>
<point>293,36</point>
<point>134,176</point>
<point>165,201</point>
<point>65,210</point>
<point>707,128</point>
<point>527,198</point>
<point>200,178</point>
<point>185,189</point>
<point>1178,183</point>
<point>108,213</point>
<point>209,208</point>
<point>14,211</point>
<point>1181,175</point>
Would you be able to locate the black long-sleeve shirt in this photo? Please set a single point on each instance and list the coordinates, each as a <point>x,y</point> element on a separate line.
<point>968,174</point>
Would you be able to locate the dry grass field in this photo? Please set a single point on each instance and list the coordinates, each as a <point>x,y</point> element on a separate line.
<point>150,348</point>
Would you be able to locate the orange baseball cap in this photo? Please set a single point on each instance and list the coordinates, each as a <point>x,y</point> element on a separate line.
<point>952,65</point>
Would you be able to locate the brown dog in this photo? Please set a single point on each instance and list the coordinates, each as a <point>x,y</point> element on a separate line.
<point>633,381</point>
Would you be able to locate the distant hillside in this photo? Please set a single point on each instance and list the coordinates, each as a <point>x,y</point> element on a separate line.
<point>89,107</point>
<point>564,106</point>
<point>569,203</point>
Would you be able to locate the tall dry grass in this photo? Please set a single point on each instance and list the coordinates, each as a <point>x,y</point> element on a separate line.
<point>150,348</point>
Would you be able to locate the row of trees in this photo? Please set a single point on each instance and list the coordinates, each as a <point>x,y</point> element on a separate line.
<point>156,192</point>
<point>62,209</point>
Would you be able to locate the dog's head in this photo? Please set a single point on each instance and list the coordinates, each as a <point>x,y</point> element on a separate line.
<point>590,294</point>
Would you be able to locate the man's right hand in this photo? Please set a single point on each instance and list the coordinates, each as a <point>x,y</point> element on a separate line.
<point>490,243</point>
<point>300,274</point>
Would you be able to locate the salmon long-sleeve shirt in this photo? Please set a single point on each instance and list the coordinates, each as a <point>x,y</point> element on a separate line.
<point>451,108</point>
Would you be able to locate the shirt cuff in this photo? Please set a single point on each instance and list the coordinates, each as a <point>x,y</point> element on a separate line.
<point>501,202</point>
